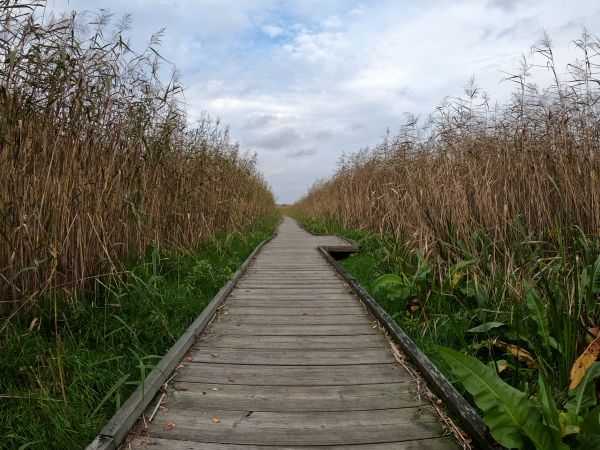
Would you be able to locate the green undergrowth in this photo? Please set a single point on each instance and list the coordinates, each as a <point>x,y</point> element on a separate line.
<point>518,312</point>
<point>67,365</point>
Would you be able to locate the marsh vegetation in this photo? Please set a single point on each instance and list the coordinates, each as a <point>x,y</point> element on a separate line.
<point>480,227</point>
<point>118,219</point>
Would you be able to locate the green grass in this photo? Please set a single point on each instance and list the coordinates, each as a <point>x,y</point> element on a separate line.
<point>67,365</point>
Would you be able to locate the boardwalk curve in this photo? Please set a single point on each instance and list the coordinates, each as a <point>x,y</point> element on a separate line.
<point>293,360</point>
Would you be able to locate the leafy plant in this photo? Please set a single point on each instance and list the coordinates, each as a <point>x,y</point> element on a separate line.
<point>518,422</point>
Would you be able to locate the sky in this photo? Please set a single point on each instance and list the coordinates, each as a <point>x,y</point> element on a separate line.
<point>303,82</point>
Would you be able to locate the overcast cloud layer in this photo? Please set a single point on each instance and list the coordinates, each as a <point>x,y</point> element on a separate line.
<point>301,82</point>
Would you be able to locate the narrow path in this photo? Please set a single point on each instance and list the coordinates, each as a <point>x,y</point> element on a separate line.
<point>293,361</point>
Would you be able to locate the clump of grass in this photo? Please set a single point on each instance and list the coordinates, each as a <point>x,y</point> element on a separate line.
<point>98,160</point>
<point>65,369</point>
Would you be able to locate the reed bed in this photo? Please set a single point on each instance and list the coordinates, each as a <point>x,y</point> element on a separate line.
<point>475,166</point>
<point>98,160</point>
<point>480,232</point>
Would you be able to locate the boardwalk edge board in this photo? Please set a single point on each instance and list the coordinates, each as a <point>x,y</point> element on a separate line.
<point>468,416</point>
<point>113,433</point>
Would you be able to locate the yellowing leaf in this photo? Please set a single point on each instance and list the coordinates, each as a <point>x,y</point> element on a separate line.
<point>456,276</point>
<point>216,419</point>
<point>520,353</point>
<point>584,362</point>
<point>168,426</point>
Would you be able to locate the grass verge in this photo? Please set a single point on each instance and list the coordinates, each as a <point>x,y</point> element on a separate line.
<point>68,364</point>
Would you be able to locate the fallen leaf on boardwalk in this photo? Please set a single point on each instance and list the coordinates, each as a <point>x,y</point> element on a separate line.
<point>145,443</point>
<point>214,389</point>
<point>181,388</point>
<point>583,363</point>
<point>129,438</point>
<point>168,426</point>
<point>231,379</point>
<point>215,355</point>
<point>216,419</point>
<point>164,409</point>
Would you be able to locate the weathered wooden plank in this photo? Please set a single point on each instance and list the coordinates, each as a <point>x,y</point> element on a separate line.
<point>306,284</point>
<point>292,330</point>
<point>292,357</point>
<point>281,428</point>
<point>291,398</point>
<point>169,444</point>
<point>292,342</point>
<point>293,290</point>
<point>290,303</point>
<point>270,310</point>
<point>290,375</point>
<point>234,319</point>
<point>301,296</point>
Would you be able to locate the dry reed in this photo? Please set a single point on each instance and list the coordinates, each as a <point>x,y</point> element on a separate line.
<point>528,166</point>
<point>97,159</point>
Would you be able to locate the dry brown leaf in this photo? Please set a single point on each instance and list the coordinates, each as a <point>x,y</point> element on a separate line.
<point>145,443</point>
<point>168,426</point>
<point>583,363</point>
<point>520,353</point>
<point>216,419</point>
<point>129,438</point>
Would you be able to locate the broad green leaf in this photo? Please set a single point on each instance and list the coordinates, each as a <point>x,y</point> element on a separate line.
<point>584,396</point>
<point>387,281</point>
<point>511,417</point>
<point>485,327</point>
<point>393,285</point>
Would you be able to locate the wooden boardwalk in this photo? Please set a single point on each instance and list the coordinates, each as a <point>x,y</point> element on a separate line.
<point>292,361</point>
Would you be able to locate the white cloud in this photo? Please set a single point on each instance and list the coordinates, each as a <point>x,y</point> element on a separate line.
<point>339,72</point>
<point>332,22</point>
<point>272,30</point>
